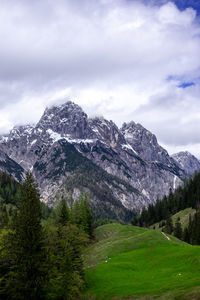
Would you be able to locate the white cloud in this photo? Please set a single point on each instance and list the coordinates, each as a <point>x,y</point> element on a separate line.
<point>169,14</point>
<point>118,59</point>
<point>192,148</point>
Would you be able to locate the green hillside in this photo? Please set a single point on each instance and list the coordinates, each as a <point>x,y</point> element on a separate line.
<point>128,262</point>
<point>182,214</point>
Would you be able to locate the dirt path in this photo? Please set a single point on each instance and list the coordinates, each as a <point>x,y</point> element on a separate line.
<point>166,236</point>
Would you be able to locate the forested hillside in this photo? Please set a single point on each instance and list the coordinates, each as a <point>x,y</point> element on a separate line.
<point>10,191</point>
<point>185,196</point>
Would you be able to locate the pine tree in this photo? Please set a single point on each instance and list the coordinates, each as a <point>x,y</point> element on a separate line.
<point>64,247</point>
<point>195,229</point>
<point>6,262</point>
<point>28,272</point>
<point>3,216</point>
<point>198,227</point>
<point>87,216</point>
<point>81,214</point>
<point>186,235</point>
<point>63,215</point>
<point>169,226</point>
<point>178,230</point>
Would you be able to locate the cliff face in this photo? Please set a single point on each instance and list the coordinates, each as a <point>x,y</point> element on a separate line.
<point>187,162</point>
<point>10,166</point>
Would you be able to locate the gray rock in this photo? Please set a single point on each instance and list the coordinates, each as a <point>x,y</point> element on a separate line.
<point>129,162</point>
<point>187,161</point>
<point>11,167</point>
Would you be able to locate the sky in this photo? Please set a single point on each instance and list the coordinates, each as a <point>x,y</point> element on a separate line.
<point>123,59</point>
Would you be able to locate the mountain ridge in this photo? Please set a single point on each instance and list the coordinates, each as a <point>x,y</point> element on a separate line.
<point>131,154</point>
<point>187,161</point>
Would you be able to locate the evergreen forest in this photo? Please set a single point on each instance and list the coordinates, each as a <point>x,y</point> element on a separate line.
<point>41,248</point>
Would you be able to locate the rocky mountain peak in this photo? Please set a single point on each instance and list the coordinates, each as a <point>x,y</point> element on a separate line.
<point>134,131</point>
<point>145,143</point>
<point>66,119</point>
<point>65,138</point>
<point>107,131</point>
<point>187,161</point>
<point>21,131</point>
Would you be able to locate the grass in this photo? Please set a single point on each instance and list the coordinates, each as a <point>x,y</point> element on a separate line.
<point>128,262</point>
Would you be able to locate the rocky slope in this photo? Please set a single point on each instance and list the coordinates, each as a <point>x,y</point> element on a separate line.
<point>69,153</point>
<point>10,166</point>
<point>187,161</point>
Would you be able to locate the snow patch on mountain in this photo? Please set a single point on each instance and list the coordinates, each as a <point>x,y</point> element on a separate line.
<point>56,137</point>
<point>129,147</point>
<point>131,154</point>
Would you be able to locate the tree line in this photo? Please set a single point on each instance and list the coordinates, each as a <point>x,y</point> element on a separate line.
<point>185,196</point>
<point>42,258</point>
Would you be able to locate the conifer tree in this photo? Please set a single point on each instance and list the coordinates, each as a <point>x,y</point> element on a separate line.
<point>63,216</point>
<point>195,229</point>
<point>65,244</point>
<point>81,214</point>
<point>190,227</point>
<point>186,235</point>
<point>3,216</point>
<point>169,225</point>
<point>178,230</point>
<point>86,214</point>
<point>28,272</point>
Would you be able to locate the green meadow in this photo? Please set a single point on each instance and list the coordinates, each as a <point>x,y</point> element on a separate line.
<point>128,262</point>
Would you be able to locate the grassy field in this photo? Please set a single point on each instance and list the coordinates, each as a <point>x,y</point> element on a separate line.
<point>128,262</point>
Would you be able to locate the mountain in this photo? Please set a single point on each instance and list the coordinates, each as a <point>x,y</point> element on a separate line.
<point>68,153</point>
<point>145,144</point>
<point>187,161</point>
<point>10,166</point>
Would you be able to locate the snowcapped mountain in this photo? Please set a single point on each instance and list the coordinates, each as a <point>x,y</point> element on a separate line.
<point>187,161</point>
<point>69,153</point>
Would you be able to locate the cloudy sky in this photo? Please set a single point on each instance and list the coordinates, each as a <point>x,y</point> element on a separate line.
<point>126,60</point>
